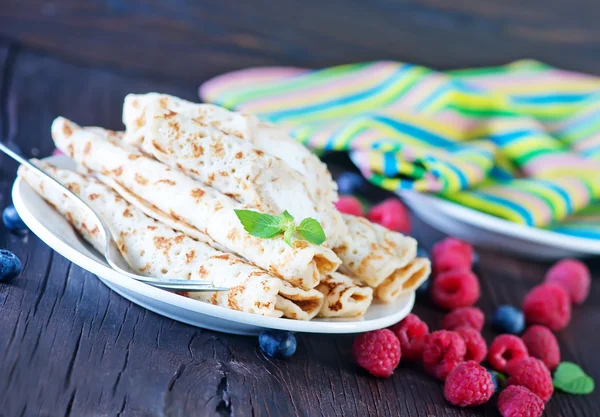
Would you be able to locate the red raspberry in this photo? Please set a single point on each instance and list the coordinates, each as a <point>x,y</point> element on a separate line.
<point>412,333</point>
<point>378,352</point>
<point>468,384</point>
<point>451,253</point>
<point>573,276</point>
<point>533,375</point>
<point>349,205</point>
<point>542,344</point>
<point>517,401</point>
<point>465,316</point>
<point>505,350</point>
<point>455,289</point>
<point>444,350</point>
<point>549,305</point>
<point>392,214</point>
<point>475,343</point>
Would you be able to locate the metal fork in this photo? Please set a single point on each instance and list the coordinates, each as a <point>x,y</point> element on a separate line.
<point>111,252</point>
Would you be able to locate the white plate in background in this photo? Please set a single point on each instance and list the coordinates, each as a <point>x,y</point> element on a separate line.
<point>493,232</point>
<point>57,233</point>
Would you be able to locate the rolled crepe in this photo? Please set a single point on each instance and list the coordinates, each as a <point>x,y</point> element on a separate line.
<point>265,137</point>
<point>178,136</point>
<point>404,280</point>
<point>376,256</point>
<point>343,298</point>
<point>192,204</point>
<point>154,249</point>
<point>369,252</point>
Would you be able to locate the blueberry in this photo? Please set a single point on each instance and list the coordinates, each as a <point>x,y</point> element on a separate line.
<point>10,265</point>
<point>277,344</point>
<point>351,183</point>
<point>423,289</point>
<point>508,319</point>
<point>422,252</point>
<point>11,219</point>
<point>497,378</point>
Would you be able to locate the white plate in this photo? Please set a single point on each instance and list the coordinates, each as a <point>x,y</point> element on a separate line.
<point>56,232</point>
<point>493,232</point>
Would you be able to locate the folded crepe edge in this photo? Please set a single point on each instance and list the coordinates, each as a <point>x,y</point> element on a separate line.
<point>406,279</point>
<point>343,297</point>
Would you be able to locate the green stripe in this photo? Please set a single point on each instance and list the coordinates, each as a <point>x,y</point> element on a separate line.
<point>312,79</point>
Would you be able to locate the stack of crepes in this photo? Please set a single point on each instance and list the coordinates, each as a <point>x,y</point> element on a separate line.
<point>168,186</point>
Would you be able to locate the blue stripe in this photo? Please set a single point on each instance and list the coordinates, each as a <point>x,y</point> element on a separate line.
<point>506,138</point>
<point>522,211</point>
<point>591,152</point>
<point>459,174</point>
<point>327,105</point>
<point>389,164</point>
<point>585,233</point>
<point>432,160</point>
<point>555,98</point>
<point>566,197</point>
<point>433,97</point>
<point>579,123</point>
<point>500,174</point>
<point>414,131</point>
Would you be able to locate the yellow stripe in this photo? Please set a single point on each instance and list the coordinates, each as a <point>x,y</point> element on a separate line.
<point>295,99</point>
<point>365,105</point>
<point>475,202</point>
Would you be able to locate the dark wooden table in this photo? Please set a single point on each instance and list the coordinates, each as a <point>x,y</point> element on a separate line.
<point>71,347</point>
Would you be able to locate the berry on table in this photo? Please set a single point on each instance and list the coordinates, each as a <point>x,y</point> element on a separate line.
<point>573,276</point>
<point>454,289</point>
<point>497,378</point>
<point>451,253</point>
<point>412,333</point>
<point>391,213</point>
<point>444,350</point>
<point>532,374</point>
<point>505,350</point>
<point>542,344</point>
<point>351,183</point>
<point>277,344</point>
<point>10,266</point>
<point>518,401</point>
<point>508,319</point>
<point>474,342</point>
<point>549,305</point>
<point>464,316</point>
<point>378,352</point>
<point>468,384</point>
<point>348,204</point>
<point>12,220</point>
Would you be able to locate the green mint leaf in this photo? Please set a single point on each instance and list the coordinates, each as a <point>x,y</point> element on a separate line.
<point>311,230</point>
<point>287,217</point>
<point>570,378</point>
<point>288,235</point>
<point>261,225</point>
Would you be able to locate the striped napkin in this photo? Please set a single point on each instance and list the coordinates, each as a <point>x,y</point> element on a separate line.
<point>520,141</point>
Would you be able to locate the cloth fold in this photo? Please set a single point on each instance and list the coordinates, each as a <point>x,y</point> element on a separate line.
<point>520,141</point>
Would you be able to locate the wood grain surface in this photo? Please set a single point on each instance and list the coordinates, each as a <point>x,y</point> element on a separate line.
<point>198,39</point>
<point>71,347</point>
